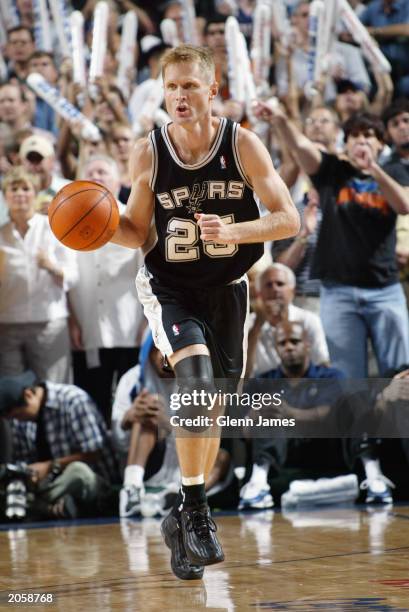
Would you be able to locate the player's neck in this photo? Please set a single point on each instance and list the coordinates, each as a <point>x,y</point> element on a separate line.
<point>193,142</point>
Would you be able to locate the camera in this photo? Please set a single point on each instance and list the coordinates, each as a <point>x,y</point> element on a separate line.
<point>15,479</point>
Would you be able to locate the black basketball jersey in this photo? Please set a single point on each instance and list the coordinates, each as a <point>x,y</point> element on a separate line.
<point>216,185</point>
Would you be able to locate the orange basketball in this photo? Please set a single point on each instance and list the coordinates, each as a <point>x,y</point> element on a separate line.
<point>83,215</point>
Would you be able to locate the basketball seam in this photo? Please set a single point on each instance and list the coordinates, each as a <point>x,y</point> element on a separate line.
<point>105,193</point>
<point>101,234</point>
<point>70,196</point>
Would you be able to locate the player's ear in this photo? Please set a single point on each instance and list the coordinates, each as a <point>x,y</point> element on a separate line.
<point>214,88</point>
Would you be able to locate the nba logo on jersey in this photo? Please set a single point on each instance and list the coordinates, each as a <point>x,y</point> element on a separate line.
<point>175,329</point>
<point>223,164</point>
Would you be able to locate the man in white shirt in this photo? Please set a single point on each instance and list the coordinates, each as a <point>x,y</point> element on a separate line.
<point>276,287</point>
<point>106,315</point>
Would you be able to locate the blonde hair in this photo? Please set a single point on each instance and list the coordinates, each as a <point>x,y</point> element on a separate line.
<point>190,53</point>
<point>17,175</point>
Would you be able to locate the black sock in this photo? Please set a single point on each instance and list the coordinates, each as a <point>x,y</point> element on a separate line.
<point>194,495</point>
<point>177,505</point>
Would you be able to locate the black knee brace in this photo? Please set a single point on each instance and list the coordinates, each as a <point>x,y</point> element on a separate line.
<point>196,366</point>
<point>194,377</point>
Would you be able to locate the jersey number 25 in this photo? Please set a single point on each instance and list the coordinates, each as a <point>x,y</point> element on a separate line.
<point>181,244</point>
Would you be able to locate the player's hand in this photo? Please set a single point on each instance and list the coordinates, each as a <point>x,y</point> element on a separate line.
<point>213,229</point>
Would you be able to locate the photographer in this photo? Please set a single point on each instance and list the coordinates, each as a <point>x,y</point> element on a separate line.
<point>61,437</point>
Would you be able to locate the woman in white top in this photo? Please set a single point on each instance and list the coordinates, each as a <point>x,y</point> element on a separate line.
<point>36,271</point>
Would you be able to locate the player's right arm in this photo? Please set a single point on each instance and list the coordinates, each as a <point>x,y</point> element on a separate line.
<point>135,222</point>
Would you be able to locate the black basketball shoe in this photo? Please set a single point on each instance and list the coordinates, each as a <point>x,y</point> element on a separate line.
<point>199,536</point>
<point>182,568</point>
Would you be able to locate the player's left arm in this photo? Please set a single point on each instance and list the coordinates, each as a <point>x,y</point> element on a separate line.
<point>283,220</point>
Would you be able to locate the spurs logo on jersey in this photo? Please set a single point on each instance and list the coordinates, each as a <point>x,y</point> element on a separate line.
<point>193,197</point>
<point>197,196</point>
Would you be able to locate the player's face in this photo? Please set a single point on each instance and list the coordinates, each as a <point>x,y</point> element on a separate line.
<point>188,92</point>
<point>398,129</point>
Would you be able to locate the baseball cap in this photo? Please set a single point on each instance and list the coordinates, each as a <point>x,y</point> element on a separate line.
<point>36,144</point>
<point>344,85</point>
<point>12,388</point>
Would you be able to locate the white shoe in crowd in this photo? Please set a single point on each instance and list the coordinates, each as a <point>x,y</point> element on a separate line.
<point>130,498</point>
<point>255,495</point>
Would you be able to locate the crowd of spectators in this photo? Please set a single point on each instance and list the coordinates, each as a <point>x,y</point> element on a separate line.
<point>84,399</point>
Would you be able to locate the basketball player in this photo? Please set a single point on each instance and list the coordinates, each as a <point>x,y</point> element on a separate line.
<point>198,177</point>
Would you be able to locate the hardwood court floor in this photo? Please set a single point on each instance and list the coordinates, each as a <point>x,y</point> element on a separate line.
<point>336,559</point>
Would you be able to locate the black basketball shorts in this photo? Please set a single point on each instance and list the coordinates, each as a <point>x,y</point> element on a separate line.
<point>217,317</point>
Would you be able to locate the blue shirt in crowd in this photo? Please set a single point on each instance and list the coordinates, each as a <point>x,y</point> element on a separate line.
<point>395,50</point>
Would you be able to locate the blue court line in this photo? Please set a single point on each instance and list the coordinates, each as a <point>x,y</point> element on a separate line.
<point>60,523</point>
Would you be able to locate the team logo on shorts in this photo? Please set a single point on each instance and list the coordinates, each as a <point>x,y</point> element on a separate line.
<point>175,329</point>
<point>223,164</point>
